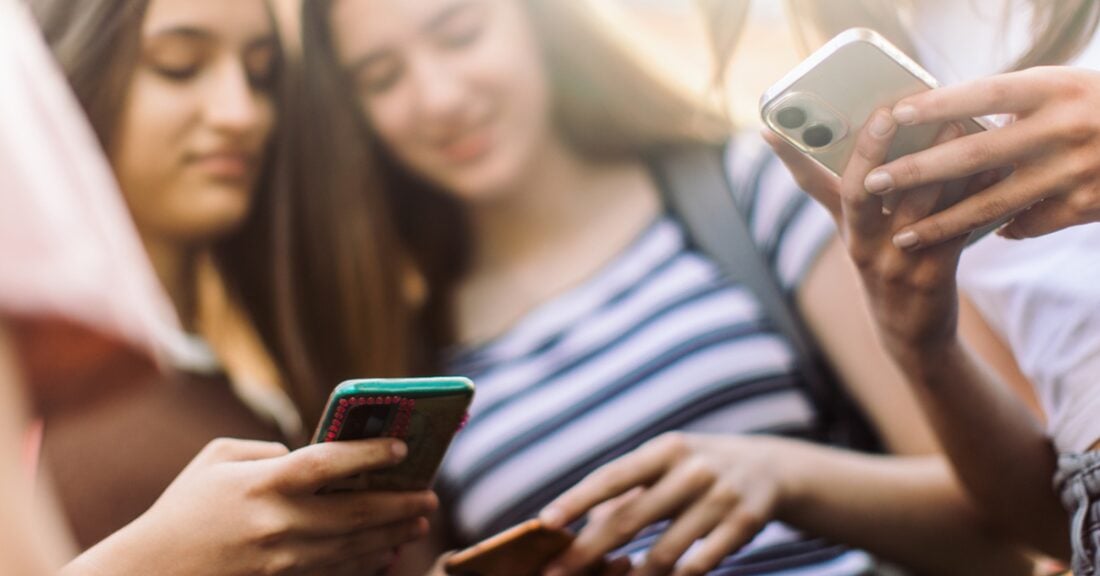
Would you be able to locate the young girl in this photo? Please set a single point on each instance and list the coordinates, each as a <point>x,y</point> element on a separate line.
<point>515,136</point>
<point>180,94</point>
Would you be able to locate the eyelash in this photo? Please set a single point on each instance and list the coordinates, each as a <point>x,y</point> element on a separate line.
<point>176,74</point>
<point>385,83</point>
<point>463,38</point>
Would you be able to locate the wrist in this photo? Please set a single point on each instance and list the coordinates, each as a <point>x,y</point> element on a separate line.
<point>927,360</point>
<point>793,472</point>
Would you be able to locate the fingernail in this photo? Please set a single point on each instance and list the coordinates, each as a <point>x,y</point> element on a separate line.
<point>878,182</point>
<point>399,449</point>
<point>553,570</point>
<point>905,114</point>
<point>550,517</point>
<point>906,240</point>
<point>881,125</point>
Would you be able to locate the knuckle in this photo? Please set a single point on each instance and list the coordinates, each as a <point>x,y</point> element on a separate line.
<point>271,531</point>
<point>1084,204</point>
<point>907,173</point>
<point>673,445</point>
<point>663,559</point>
<point>219,448</point>
<point>975,154</point>
<point>993,207</point>
<point>610,475</point>
<point>747,523</point>
<point>700,473</point>
<point>1083,167</point>
<point>280,563</point>
<point>622,524</point>
<point>312,464</point>
<point>726,495</point>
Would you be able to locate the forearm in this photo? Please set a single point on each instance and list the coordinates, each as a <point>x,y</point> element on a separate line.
<point>997,447</point>
<point>907,510</point>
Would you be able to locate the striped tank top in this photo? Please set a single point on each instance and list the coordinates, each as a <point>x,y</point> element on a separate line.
<point>656,341</point>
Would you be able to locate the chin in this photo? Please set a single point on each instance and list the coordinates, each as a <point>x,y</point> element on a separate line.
<point>213,218</point>
<point>488,182</point>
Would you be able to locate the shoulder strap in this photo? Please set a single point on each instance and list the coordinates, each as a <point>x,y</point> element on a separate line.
<point>696,188</point>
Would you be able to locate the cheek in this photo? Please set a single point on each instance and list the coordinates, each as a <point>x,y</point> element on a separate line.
<point>392,122</point>
<point>145,155</point>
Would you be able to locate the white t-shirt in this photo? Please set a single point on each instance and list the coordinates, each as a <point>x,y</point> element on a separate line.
<point>1041,295</point>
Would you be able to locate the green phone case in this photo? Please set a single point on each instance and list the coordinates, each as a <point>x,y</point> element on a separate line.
<point>424,412</point>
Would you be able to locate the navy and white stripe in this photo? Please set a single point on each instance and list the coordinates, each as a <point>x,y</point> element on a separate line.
<point>658,340</point>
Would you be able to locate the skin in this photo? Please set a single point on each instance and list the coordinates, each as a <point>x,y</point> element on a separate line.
<point>190,141</point>
<point>914,300</point>
<point>1051,147</point>
<point>547,218</point>
<point>189,144</point>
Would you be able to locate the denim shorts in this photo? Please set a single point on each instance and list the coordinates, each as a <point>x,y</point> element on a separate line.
<point>1078,481</point>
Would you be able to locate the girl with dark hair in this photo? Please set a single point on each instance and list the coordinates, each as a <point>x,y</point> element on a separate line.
<point>182,98</point>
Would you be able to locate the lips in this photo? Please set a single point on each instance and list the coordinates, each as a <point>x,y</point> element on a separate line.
<point>468,148</point>
<point>225,165</point>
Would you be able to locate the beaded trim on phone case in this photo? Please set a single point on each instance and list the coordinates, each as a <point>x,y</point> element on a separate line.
<point>399,428</point>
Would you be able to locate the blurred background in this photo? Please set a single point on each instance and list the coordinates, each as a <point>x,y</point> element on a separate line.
<point>671,35</point>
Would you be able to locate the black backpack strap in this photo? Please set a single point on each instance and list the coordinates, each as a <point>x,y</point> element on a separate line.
<point>697,190</point>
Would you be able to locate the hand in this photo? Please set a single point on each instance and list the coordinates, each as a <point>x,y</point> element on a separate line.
<point>244,507</point>
<point>1053,144</point>
<point>718,489</point>
<point>913,295</point>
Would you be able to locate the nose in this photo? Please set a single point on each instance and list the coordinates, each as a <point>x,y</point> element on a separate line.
<point>232,103</point>
<point>440,89</point>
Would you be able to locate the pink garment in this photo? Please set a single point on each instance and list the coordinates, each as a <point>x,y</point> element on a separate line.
<point>69,253</point>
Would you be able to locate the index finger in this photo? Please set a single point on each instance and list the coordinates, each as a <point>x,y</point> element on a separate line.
<point>313,467</point>
<point>639,468</point>
<point>1009,93</point>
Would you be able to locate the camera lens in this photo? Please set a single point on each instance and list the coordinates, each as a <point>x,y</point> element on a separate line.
<point>791,118</point>
<point>817,136</point>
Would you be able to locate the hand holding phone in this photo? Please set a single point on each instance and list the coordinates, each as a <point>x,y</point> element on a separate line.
<point>523,550</point>
<point>822,104</point>
<point>425,413</point>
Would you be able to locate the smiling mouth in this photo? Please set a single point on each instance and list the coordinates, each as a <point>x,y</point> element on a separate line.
<point>468,148</point>
<point>225,166</point>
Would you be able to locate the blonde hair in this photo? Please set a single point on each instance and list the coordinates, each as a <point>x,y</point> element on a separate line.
<point>610,99</point>
<point>1060,29</point>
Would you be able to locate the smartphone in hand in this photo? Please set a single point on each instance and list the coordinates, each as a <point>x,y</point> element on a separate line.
<point>523,550</point>
<point>820,105</point>
<point>426,413</point>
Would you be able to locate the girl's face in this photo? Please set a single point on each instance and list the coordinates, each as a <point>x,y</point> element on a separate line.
<point>455,89</point>
<point>197,117</point>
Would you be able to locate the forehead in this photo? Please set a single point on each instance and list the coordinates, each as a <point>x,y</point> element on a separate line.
<point>242,20</point>
<point>369,22</point>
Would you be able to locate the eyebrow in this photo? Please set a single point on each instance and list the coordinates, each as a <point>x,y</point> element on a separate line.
<point>449,12</point>
<point>196,33</point>
<point>433,23</point>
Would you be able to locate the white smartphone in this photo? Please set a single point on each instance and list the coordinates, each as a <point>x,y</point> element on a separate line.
<point>820,105</point>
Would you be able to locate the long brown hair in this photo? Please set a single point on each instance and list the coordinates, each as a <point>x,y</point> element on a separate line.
<point>1060,29</point>
<point>607,103</point>
<point>276,263</point>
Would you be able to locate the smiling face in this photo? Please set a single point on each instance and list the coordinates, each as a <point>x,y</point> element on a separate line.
<point>197,117</point>
<point>455,89</point>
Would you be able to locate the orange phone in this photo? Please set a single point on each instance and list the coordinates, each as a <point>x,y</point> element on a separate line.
<point>522,550</point>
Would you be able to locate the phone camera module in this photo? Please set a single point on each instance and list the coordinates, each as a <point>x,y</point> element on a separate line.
<point>817,136</point>
<point>791,118</point>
